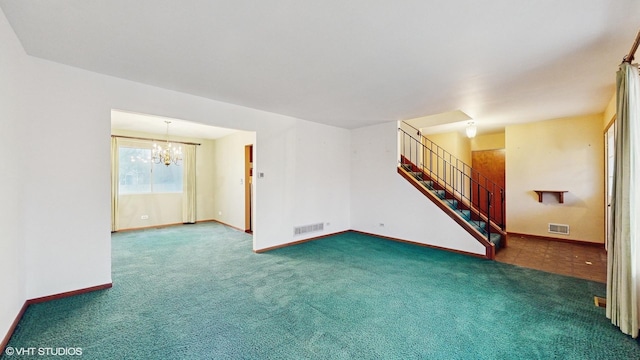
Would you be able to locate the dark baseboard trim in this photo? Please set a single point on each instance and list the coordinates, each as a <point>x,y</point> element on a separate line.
<point>490,249</point>
<point>580,242</point>
<point>147,227</point>
<point>176,224</point>
<point>259,251</point>
<point>42,299</point>
<point>369,234</point>
<point>421,244</point>
<point>68,294</point>
<point>220,222</point>
<point>12,328</point>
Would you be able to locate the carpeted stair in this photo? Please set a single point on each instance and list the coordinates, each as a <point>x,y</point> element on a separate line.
<point>479,225</point>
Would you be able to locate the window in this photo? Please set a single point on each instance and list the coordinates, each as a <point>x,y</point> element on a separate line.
<point>139,175</point>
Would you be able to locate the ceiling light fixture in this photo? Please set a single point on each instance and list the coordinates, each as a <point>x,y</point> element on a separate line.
<point>471,130</point>
<point>167,154</point>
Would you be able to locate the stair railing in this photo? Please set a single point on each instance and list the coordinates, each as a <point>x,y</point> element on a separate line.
<point>483,197</point>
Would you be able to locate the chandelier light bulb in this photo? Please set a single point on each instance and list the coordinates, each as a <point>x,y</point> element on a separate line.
<point>167,154</point>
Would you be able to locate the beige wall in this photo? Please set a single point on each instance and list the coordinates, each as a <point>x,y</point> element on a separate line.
<point>560,154</point>
<point>609,111</point>
<point>459,147</point>
<point>228,205</point>
<point>219,186</point>
<point>455,143</point>
<point>488,142</point>
<point>163,209</point>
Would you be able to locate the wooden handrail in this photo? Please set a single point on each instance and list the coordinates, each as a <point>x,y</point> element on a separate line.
<point>482,183</point>
<point>629,57</point>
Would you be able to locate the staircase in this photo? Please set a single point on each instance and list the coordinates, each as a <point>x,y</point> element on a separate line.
<point>472,200</point>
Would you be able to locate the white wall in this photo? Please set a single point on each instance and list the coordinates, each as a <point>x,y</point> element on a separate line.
<point>62,234</point>
<point>379,195</point>
<point>321,177</point>
<point>12,141</point>
<point>228,205</point>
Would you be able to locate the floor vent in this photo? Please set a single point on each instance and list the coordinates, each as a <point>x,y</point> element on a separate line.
<point>559,229</point>
<point>299,230</point>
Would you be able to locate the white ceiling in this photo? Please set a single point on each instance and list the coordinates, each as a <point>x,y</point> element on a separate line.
<point>350,63</point>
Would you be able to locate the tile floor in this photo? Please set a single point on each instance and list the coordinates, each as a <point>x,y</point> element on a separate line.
<point>578,260</point>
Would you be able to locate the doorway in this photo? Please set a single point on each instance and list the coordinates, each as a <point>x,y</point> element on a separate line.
<point>248,188</point>
<point>609,156</point>
<point>491,164</point>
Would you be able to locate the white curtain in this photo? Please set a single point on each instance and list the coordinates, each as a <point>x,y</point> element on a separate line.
<point>114,183</point>
<point>623,255</point>
<point>189,185</point>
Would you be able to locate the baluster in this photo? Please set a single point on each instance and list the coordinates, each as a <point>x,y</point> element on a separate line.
<point>488,215</point>
<point>502,222</point>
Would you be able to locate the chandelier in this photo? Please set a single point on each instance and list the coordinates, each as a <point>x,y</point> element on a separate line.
<point>168,153</point>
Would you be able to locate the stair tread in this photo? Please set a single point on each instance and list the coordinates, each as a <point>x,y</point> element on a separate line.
<point>427,183</point>
<point>495,237</point>
<point>453,203</point>
<point>465,213</point>
<point>440,193</point>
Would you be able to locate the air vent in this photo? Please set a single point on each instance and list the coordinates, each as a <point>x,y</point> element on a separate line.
<point>299,230</point>
<point>559,229</point>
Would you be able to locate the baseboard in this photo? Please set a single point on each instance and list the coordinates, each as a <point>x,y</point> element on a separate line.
<point>259,251</point>
<point>220,222</point>
<point>68,294</point>
<point>148,227</point>
<point>580,242</point>
<point>369,234</point>
<point>12,328</point>
<point>422,244</point>
<point>42,299</point>
<point>490,250</point>
<point>176,224</point>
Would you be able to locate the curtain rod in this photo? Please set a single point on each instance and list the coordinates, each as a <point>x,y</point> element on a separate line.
<point>629,58</point>
<point>158,140</point>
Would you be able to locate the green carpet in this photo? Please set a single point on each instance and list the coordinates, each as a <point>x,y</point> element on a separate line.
<point>198,291</point>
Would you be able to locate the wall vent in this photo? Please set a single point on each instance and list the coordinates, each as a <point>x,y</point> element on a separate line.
<point>299,230</point>
<point>559,229</point>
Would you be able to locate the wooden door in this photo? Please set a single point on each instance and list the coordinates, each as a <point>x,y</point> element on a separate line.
<point>248,188</point>
<point>490,164</point>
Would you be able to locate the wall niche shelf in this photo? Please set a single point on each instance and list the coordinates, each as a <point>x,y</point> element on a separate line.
<point>559,193</point>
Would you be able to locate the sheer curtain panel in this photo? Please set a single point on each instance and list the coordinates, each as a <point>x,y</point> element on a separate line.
<point>189,185</point>
<point>623,255</point>
<point>115,164</point>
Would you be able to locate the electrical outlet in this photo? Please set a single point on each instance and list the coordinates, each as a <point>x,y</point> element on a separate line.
<point>219,212</point>
<point>144,217</point>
